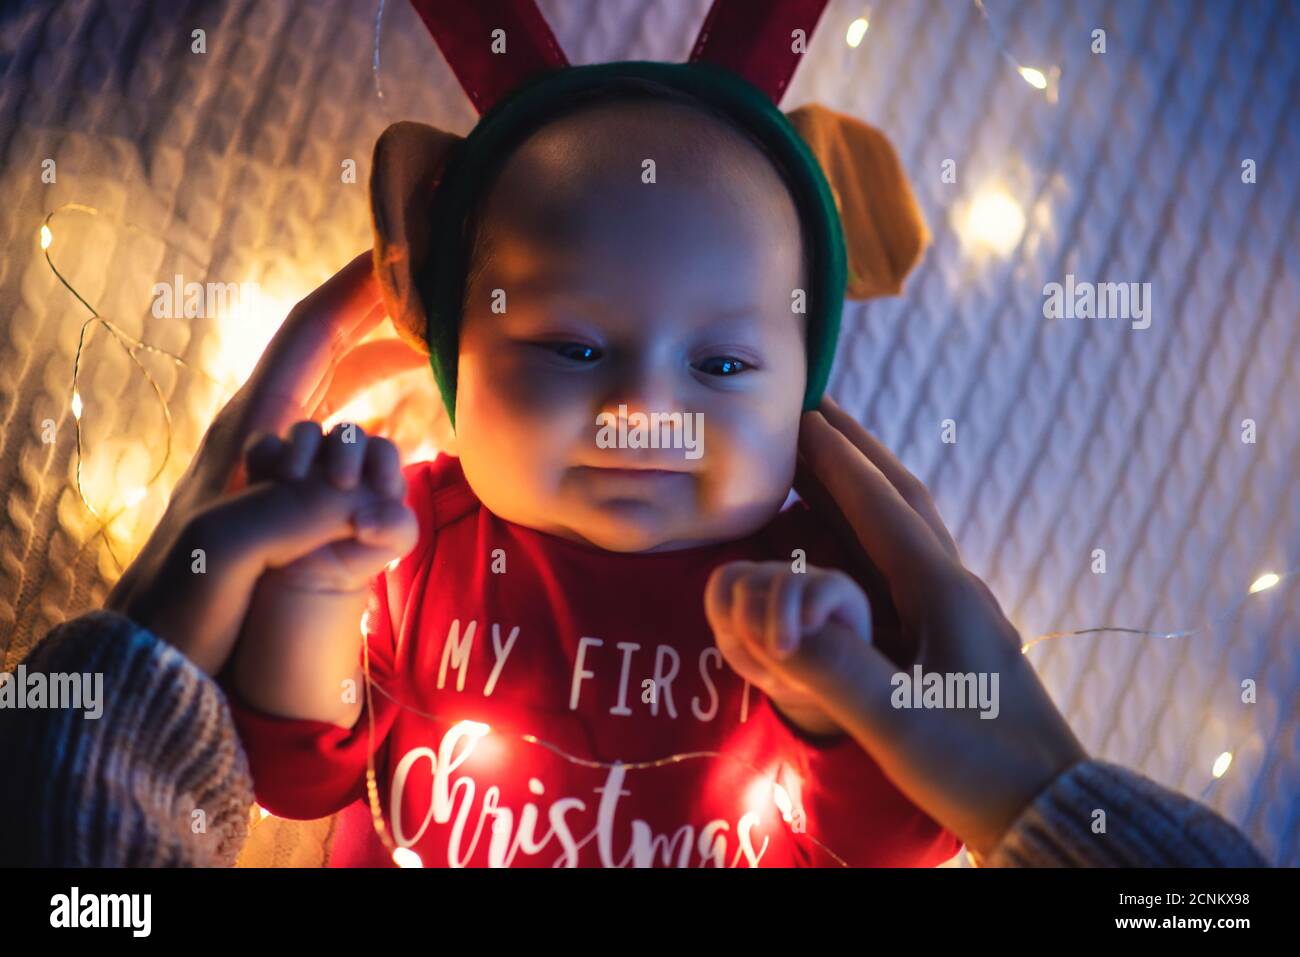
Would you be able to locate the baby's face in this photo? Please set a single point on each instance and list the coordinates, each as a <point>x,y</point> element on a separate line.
<point>673,297</point>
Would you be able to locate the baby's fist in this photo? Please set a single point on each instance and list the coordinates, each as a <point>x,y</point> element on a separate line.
<point>787,632</point>
<point>346,485</point>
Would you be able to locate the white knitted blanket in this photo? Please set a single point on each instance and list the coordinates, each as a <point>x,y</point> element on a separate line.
<point>1072,435</point>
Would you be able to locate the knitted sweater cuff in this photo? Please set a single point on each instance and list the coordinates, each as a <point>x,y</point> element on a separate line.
<point>1098,814</point>
<point>155,779</point>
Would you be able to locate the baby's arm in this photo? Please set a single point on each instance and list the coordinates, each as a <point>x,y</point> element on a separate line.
<point>301,641</point>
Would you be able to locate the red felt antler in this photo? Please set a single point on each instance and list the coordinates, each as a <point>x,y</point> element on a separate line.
<point>755,38</point>
<point>463,30</point>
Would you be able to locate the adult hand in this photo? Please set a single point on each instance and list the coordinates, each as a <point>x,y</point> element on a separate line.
<point>973,775</point>
<point>309,369</point>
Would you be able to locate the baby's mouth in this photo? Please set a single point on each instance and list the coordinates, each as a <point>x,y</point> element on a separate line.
<point>631,475</point>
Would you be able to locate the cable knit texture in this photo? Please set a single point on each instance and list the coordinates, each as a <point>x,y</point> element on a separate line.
<point>1074,435</point>
<point>121,790</point>
<point>158,780</point>
<point>1145,825</point>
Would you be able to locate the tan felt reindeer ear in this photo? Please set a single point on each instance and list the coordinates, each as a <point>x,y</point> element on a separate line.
<point>409,158</point>
<point>407,164</point>
<point>884,230</point>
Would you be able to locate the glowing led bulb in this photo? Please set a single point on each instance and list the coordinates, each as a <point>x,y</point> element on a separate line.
<point>476,728</point>
<point>1265,581</point>
<point>76,406</point>
<point>783,802</point>
<point>993,221</point>
<point>1034,77</point>
<point>1221,764</point>
<point>262,813</point>
<point>47,237</point>
<point>857,30</point>
<point>405,857</point>
<point>134,496</point>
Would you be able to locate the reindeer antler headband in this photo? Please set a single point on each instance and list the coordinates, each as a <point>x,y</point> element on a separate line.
<point>424,182</point>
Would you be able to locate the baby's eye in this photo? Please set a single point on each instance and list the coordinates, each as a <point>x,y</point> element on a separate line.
<point>577,351</point>
<point>722,366</point>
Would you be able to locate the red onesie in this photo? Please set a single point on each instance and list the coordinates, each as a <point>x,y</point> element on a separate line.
<point>490,634</point>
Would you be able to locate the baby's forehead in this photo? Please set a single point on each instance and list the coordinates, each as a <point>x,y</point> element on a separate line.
<point>590,154</point>
<point>657,205</point>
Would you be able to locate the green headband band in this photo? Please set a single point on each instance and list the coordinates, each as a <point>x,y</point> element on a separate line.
<point>462,181</point>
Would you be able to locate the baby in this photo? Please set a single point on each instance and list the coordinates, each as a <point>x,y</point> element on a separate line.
<point>567,655</point>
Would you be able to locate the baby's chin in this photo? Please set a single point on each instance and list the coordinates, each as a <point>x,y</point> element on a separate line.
<point>631,525</point>
<point>632,514</point>
<point>636,526</point>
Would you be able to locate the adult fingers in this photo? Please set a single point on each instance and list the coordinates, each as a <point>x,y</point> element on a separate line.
<point>911,488</point>
<point>362,367</point>
<point>319,330</point>
<point>291,377</point>
<point>896,539</point>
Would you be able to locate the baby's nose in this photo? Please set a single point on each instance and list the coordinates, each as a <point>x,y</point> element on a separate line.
<point>643,389</point>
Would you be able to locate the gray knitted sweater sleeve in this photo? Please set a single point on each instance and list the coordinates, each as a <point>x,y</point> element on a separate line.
<point>1098,814</point>
<point>158,779</point>
<point>126,789</point>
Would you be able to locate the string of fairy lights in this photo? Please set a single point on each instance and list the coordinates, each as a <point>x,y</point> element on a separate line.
<point>132,345</point>
<point>405,856</point>
<point>1048,82</point>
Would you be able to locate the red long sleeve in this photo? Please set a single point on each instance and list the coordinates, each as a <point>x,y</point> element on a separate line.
<point>305,769</point>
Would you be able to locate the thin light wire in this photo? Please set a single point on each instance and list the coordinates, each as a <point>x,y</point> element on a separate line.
<point>374,62</point>
<point>1222,619</point>
<point>130,344</point>
<point>372,791</point>
<point>1051,76</point>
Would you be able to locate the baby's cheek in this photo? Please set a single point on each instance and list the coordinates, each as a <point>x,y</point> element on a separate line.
<point>749,460</point>
<point>509,384</point>
<point>511,422</point>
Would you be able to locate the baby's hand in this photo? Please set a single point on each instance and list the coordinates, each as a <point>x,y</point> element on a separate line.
<point>350,475</point>
<point>766,616</point>
<point>300,645</point>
